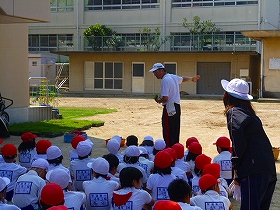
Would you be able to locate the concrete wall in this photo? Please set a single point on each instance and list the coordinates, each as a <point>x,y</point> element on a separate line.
<point>186,66</point>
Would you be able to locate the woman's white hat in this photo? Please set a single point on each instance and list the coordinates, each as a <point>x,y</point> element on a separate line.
<point>237,88</point>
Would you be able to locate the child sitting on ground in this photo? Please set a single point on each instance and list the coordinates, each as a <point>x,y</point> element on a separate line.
<point>131,196</point>
<point>180,191</point>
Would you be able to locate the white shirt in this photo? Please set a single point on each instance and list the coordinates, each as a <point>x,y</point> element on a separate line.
<point>80,171</point>
<point>185,166</point>
<point>224,160</point>
<point>136,201</point>
<point>210,200</point>
<point>146,164</point>
<point>4,206</point>
<point>170,87</point>
<point>28,189</point>
<point>186,206</point>
<point>114,178</point>
<point>11,171</point>
<point>195,185</point>
<point>74,200</point>
<point>99,193</point>
<point>37,156</point>
<point>26,157</point>
<point>179,173</point>
<point>73,155</point>
<point>158,185</point>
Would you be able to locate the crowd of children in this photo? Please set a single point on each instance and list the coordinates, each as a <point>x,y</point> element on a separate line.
<point>142,176</point>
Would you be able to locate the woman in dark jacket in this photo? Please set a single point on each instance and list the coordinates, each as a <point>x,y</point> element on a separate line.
<point>252,155</point>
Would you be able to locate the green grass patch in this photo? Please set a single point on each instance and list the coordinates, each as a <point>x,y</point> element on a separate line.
<point>70,122</point>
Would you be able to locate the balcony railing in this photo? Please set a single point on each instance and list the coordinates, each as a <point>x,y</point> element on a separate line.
<point>175,42</point>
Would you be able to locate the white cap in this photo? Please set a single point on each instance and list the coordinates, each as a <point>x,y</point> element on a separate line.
<point>148,138</point>
<point>113,146</point>
<point>159,144</point>
<point>157,66</point>
<point>132,151</point>
<point>100,166</point>
<point>53,152</point>
<point>119,138</point>
<point>4,181</point>
<point>84,148</point>
<point>143,150</point>
<point>40,163</point>
<point>59,176</point>
<point>237,88</point>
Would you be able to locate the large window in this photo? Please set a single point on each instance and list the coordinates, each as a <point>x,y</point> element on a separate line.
<point>108,75</point>
<point>119,4</point>
<point>62,5</point>
<point>50,42</point>
<point>210,3</point>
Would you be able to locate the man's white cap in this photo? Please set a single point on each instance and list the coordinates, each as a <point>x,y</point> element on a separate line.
<point>159,144</point>
<point>4,181</point>
<point>148,138</point>
<point>53,152</point>
<point>59,176</point>
<point>84,147</point>
<point>40,163</point>
<point>143,150</point>
<point>132,151</point>
<point>157,66</point>
<point>113,146</point>
<point>100,166</point>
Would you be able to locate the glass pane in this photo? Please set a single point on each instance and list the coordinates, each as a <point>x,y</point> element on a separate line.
<point>53,41</point>
<point>53,3</point>
<point>138,70</point>
<point>108,70</point>
<point>118,70</point>
<point>98,83</point>
<point>44,41</point>
<point>109,83</point>
<point>98,70</point>
<point>118,84</point>
<point>170,68</point>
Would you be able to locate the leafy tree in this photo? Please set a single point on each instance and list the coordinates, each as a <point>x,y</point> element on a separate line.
<point>200,28</point>
<point>97,35</point>
<point>152,41</point>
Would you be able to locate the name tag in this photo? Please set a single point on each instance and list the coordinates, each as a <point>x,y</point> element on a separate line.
<point>23,187</point>
<point>98,199</point>
<point>214,206</point>
<point>83,175</point>
<point>162,193</point>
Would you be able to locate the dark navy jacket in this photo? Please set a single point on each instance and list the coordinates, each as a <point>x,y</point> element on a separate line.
<point>251,149</point>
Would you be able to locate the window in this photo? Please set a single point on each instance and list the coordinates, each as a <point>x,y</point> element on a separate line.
<point>119,4</point>
<point>47,43</point>
<point>170,68</point>
<point>34,63</point>
<point>108,75</point>
<point>209,3</point>
<point>62,5</point>
<point>138,69</point>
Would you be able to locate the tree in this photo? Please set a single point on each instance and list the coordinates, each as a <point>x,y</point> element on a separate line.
<point>152,41</point>
<point>200,29</point>
<point>97,35</point>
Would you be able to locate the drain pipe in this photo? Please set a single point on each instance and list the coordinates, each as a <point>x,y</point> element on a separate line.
<point>262,71</point>
<point>164,23</point>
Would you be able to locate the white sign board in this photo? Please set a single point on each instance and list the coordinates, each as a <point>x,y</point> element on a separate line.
<point>274,63</point>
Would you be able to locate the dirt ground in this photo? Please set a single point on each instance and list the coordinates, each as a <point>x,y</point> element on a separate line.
<point>203,119</point>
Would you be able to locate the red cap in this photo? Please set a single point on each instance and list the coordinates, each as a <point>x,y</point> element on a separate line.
<point>202,160</point>
<point>167,204</point>
<point>171,152</point>
<point>214,169</point>
<point>60,207</point>
<point>191,140</point>
<point>42,146</point>
<point>179,148</point>
<point>207,181</point>
<point>76,139</point>
<point>1,141</point>
<point>9,150</point>
<point>52,194</point>
<point>195,148</point>
<point>223,142</point>
<point>28,136</point>
<point>163,159</point>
